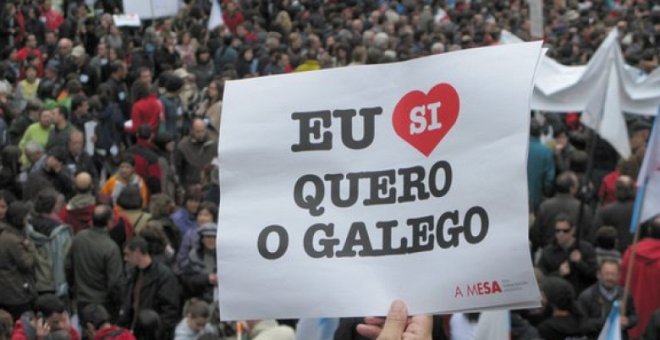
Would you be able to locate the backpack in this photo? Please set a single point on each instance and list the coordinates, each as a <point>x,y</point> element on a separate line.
<point>50,256</point>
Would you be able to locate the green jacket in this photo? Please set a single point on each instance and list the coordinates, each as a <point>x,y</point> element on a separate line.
<point>16,268</point>
<point>94,267</point>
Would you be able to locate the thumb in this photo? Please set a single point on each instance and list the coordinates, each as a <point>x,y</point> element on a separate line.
<point>395,323</point>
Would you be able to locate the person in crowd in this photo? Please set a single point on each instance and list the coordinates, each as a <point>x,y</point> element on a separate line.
<point>165,145</point>
<point>564,202</point>
<point>124,178</point>
<point>6,198</point>
<point>596,301</point>
<point>10,170</point>
<point>195,322</point>
<point>78,211</point>
<point>48,317</point>
<point>97,325</point>
<point>94,265</point>
<point>645,275</point>
<point>130,204</point>
<point>38,131</point>
<point>150,285</point>
<point>159,246</point>
<point>147,108</point>
<point>78,160</point>
<point>20,124</point>
<point>200,273</point>
<point>52,239</point>
<point>540,167</point>
<point>208,213</point>
<point>147,165</point>
<point>185,216</point>
<point>566,317</point>
<point>51,173</point>
<point>17,257</point>
<point>172,105</point>
<point>606,244</point>
<point>193,152</point>
<point>161,206</point>
<point>59,134</point>
<point>566,258</point>
<point>619,212</point>
<point>210,108</point>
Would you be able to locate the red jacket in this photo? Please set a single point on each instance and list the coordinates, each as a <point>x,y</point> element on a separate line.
<point>644,282</point>
<point>146,164</point>
<point>114,333</point>
<point>147,110</point>
<point>78,218</point>
<point>607,190</point>
<point>19,332</point>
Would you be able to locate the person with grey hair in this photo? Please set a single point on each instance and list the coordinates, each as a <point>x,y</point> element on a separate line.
<point>35,154</point>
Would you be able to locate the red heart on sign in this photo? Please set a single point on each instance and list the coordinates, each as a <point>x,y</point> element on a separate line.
<point>423,120</point>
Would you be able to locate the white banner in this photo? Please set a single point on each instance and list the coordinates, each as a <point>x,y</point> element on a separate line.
<point>536,18</point>
<point>150,9</point>
<point>345,189</point>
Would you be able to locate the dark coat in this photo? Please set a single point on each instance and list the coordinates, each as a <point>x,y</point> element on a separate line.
<point>160,292</point>
<point>94,267</point>
<point>595,308</point>
<point>617,215</point>
<point>191,157</point>
<point>560,204</point>
<point>195,275</point>
<point>582,274</point>
<point>17,260</point>
<point>37,181</point>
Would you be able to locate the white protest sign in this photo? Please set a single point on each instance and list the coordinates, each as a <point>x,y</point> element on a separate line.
<point>151,9</point>
<point>126,20</point>
<point>345,189</point>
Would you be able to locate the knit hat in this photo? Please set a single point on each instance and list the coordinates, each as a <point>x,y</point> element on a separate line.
<point>208,229</point>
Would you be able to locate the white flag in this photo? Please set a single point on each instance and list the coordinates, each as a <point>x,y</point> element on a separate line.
<point>612,328</point>
<point>603,111</point>
<point>215,18</point>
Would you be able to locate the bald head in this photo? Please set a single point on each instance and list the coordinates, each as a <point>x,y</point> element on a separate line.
<point>198,130</point>
<point>101,216</point>
<point>65,46</point>
<point>83,182</point>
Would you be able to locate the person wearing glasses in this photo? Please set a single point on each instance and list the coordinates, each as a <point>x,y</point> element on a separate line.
<point>566,257</point>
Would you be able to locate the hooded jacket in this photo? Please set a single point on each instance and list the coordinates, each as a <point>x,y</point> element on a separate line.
<point>52,239</point>
<point>644,282</point>
<point>78,212</point>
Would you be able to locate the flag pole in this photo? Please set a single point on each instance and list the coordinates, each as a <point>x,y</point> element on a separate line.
<point>583,189</point>
<point>634,223</point>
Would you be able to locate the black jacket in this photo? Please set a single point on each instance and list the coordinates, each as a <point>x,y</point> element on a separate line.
<point>160,292</point>
<point>595,308</point>
<point>582,274</point>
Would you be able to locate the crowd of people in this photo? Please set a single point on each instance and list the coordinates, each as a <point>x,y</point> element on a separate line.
<point>109,187</point>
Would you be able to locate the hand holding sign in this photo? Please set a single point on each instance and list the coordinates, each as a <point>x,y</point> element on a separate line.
<point>398,325</point>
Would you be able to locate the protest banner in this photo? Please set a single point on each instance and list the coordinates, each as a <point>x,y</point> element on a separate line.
<point>126,20</point>
<point>345,189</point>
<point>152,9</point>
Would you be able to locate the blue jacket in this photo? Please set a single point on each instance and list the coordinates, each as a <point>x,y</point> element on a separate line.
<point>540,172</point>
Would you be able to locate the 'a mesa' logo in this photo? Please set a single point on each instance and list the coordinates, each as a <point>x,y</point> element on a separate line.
<point>479,288</point>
